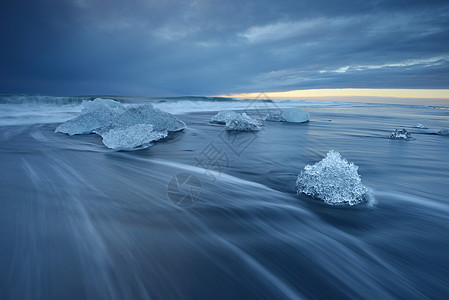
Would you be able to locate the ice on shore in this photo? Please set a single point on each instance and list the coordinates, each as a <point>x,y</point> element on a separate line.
<point>146,114</point>
<point>224,116</point>
<point>131,137</point>
<point>138,127</point>
<point>400,135</point>
<point>122,128</point>
<point>95,114</point>
<point>333,180</point>
<point>288,115</point>
<point>295,115</point>
<point>421,126</point>
<point>243,122</point>
<point>275,117</point>
<point>444,131</point>
<point>99,103</point>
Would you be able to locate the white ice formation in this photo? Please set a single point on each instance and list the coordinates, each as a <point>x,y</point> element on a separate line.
<point>95,114</point>
<point>224,116</point>
<point>289,115</point>
<point>122,128</point>
<point>333,180</point>
<point>421,126</point>
<point>243,122</point>
<point>400,135</point>
<point>131,137</point>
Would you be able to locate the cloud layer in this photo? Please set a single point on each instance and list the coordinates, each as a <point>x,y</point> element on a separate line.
<point>180,47</point>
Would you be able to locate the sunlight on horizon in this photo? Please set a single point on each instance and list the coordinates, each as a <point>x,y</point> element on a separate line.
<point>350,92</point>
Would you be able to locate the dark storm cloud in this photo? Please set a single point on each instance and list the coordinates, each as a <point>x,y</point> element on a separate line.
<point>211,47</point>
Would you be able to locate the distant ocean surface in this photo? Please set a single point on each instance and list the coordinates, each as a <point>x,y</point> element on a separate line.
<point>210,214</point>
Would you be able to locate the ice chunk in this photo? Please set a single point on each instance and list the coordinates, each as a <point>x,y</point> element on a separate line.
<point>275,117</point>
<point>122,128</point>
<point>145,114</point>
<point>444,131</point>
<point>243,122</point>
<point>224,116</point>
<point>138,127</point>
<point>333,180</point>
<point>295,115</point>
<point>400,135</point>
<point>98,103</point>
<point>131,137</point>
<point>95,114</point>
<point>421,126</point>
<point>288,115</point>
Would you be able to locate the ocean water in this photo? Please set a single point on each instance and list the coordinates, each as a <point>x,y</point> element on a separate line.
<point>211,214</point>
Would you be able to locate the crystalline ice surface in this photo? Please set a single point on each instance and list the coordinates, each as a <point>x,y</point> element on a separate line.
<point>131,137</point>
<point>333,180</point>
<point>224,116</point>
<point>122,128</point>
<point>295,115</point>
<point>95,114</point>
<point>98,103</point>
<point>138,127</point>
<point>243,122</point>
<point>444,131</point>
<point>275,117</point>
<point>421,126</point>
<point>288,115</point>
<point>400,135</point>
<point>146,114</point>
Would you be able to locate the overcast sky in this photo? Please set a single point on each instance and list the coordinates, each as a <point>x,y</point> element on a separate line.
<point>155,47</point>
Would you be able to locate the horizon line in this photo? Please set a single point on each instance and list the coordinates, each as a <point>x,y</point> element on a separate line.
<point>347,92</point>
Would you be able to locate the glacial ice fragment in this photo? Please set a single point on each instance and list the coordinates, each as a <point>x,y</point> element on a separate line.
<point>95,114</point>
<point>243,122</point>
<point>444,131</point>
<point>131,137</point>
<point>98,103</point>
<point>400,135</point>
<point>295,115</point>
<point>288,115</point>
<point>224,116</point>
<point>275,117</point>
<point>145,114</point>
<point>122,128</point>
<point>421,126</point>
<point>139,126</point>
<point>333,180</point>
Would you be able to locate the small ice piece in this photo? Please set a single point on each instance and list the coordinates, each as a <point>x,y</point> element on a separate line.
<point>400,135</point>
<point>421,126</point>
<point>444,131</point>
<point>95,114</point>
<point>288,115</point>
<point>295,115</point>
<point>275,117</point>
<point>243,122</point>
<point>224,116</point>
<point>132,137</point>
<point>333,180</point>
